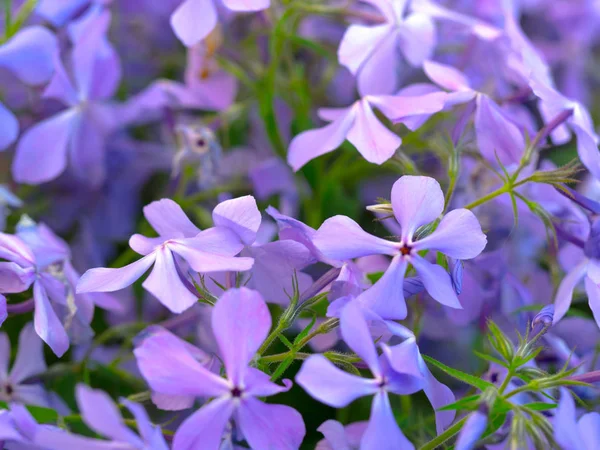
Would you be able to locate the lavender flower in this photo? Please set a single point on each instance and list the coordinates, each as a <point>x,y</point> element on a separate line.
<point>211,250</point>
<point>240,322</point>
<point>416,201</point>
<point>102,416</point>
<point>392,373</point>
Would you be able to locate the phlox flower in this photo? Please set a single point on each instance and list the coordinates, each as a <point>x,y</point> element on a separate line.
<point>76,134</point>
<point>29,55</point>
<point>102,416</point>
<point>360,126</point>
<point>28,363</point>
<point>340,437</point>
<point>498,137</point>
<point>193,20</point>
<point>371,52</point>
<point>275,263</point>
<point>37,257</point>
<point>573,434</point>
<point>583,265</point>
<point>240,322</point>
<point>211,250</point>
<point>392,373</point>
<point>416,201</point>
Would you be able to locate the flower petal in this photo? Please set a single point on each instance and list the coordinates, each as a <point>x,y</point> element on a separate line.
<point>416,201</point>
<point>9,127</point>
<point>564,295</point>
<point>566,431</point>
<point>193,20</point>
<point>101,415</point>
<point>446,76</point>
<point>417,38</point>
<point>358,337</point>
<point>30,54</point>
<point>246,5</point>
<point>589,428</point>
<point>341,238</point>
<point>30,355</point>
<point>593,291</point>
<point>241,322</point>
<point>398,107</point>
<point>458,235</point>
<point>169,220</point>
<point>358,44</point>
<point>437,282</point>
<point>259,384</point>
<point>165,284</point>
<point>172,366</point>
<point>240,215</point>
<point>330,385</point>
<point>42,150</point>
<point>374,141</point>
<point>205,262</point>
<point>379,73</point>
<point>270,426</point>
<point>310,144</point>
<point>204,428</point>
<point>386,296</point>
<point>498,138</point>
<point>109,280</point>
<point>383,431</point>
<point>587,149</point>
<point>46,323</point>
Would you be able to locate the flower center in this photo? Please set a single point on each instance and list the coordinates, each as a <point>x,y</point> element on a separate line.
<point>382,382</point>
<point>405,250</point>
<point>236,392</point>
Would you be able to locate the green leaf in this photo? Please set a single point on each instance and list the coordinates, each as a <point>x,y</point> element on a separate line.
<point>462,376</point>
<point>374,277</point>
<point>39,413</point>
<point>466,403</point>
<point>539,406</point>
<point>306,330</point>
<point>285,341</point>
<point>490,358</point>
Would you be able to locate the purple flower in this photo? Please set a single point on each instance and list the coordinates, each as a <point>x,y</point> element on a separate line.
<point>573,434</point>
<point>211,250</point>
<point>30,55</point>
<point>471,431</point>
<point>29,362</point>
<point>360,126</point>
<point>274,262</point>
<point>18,428</point>
<point>58,13</point>
<point>371,52</point>
<point>77,133</point>
<point>336,388</point>
<point>339,437</point>
<point>498,137</point>
<point>240,323</point>
<point>102,416</point>
<point>552,103</point>
<point>416,201</point>
<point>37,257</point>
<point>193,20</point>
<point>584,266</point>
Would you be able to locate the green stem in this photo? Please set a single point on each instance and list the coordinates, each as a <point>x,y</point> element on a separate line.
<point>282,356</point>
<point>492,195</point>
<point>507,379</point>
<point>439,440</point>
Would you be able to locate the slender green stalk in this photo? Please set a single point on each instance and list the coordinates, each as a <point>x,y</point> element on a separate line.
<point>439,440</point>
<point>492,195</point>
